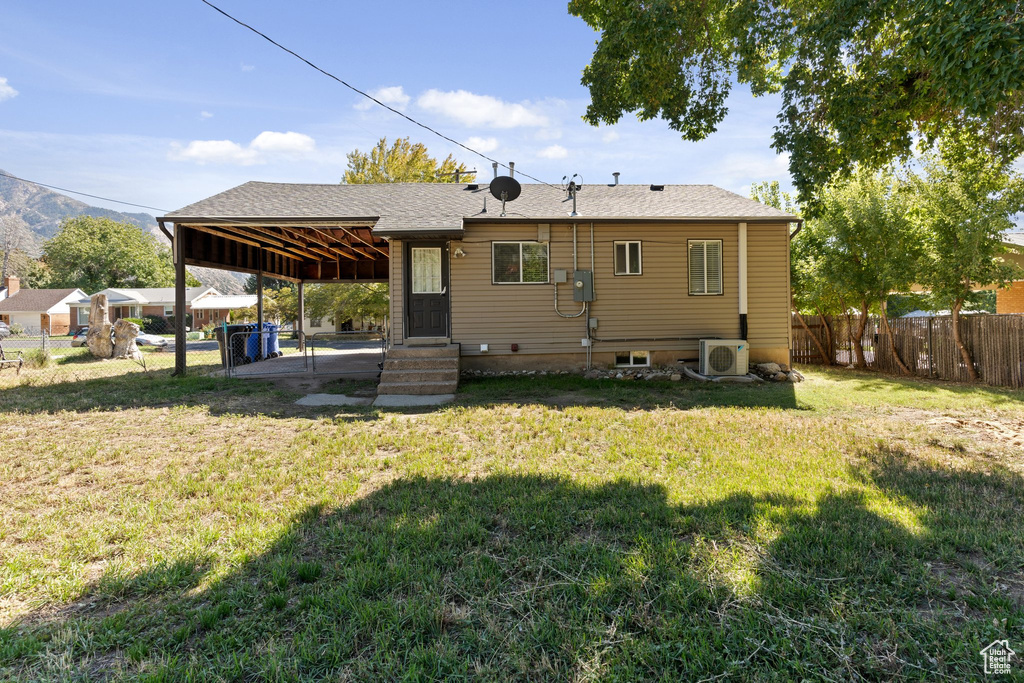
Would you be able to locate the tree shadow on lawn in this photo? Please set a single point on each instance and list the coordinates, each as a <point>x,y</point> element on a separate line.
<point>533,577</point>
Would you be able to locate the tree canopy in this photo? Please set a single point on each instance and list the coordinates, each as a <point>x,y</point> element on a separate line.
<point>860,80</point>
<point>97,253</point>
<point>402,162</point>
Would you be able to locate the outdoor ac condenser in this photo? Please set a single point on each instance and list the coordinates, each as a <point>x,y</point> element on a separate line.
<point>723,357</point>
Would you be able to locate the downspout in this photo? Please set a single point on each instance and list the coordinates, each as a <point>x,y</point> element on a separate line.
<point>742,258</point>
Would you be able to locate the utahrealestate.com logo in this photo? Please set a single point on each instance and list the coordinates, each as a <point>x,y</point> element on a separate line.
<point>997,657</point>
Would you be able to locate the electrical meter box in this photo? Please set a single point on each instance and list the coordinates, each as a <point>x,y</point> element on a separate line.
<point>582,285</point>
<point>561,276</point>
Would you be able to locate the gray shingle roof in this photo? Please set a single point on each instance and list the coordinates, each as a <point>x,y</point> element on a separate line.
<point>399,207</point>
<point>34,300</point>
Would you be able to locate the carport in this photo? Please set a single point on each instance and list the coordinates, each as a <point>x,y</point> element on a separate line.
<point>311,248</point>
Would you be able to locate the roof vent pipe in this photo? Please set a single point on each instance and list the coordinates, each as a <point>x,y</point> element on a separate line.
<point>511,169</point>
<point>616,176</point>
<point>495,166</point>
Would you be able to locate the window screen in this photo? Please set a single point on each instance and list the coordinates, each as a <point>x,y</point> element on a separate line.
<point>627,258</point>
<point>519,262</point>
<point>705,263</point>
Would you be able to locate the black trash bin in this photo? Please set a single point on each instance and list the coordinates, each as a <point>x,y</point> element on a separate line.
<point>234,344</point>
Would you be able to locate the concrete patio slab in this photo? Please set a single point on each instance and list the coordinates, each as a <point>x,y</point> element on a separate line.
<point>412,400</point>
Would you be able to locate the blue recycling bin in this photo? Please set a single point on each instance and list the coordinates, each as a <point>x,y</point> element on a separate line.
<point>271,347</point>
<point>255,347</point>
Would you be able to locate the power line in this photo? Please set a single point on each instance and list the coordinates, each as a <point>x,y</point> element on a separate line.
<point>369,96</point>
<point>84,194</point>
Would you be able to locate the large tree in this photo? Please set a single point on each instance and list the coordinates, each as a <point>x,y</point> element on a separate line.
<point>95,253</point>
<point>966,201</point>
<point>860,80</point>
<point>402,162</point>
<point>15,240</point>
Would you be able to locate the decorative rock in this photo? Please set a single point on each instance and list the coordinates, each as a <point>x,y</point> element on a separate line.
<point>98,337</point>
<point>768,368</point>
<point>593,374</point>
<point>794,376</point>
<point>779,377</point>
<point>675,377</point>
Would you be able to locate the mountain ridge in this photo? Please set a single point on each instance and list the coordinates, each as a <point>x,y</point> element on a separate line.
<point>43,210</point>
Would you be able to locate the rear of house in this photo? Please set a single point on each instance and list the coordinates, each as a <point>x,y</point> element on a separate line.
<point>504,289</point>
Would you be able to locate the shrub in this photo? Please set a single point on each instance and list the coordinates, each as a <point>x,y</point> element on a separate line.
<point>138,321</point>
<point>155,324</point>
<point>37,358</point>
<point>17,329</point>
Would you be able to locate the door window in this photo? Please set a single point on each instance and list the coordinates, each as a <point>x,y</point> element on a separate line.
<point>426,270</point>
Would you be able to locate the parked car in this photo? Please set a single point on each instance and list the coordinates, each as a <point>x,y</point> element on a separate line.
<point>144,339</point>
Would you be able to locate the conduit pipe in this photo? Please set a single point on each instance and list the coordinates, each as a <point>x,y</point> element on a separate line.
<point>555,285</point>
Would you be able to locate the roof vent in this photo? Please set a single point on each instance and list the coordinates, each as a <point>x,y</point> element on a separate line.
<point>657,188</point>
<point>616,176</point>
<point>472,186</point>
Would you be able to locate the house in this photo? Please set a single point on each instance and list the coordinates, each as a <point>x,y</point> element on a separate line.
<point>212,308</point>
<point>37,310</point>
<point>1011,300</point>
<point>140,303</point>
<point>663,266</point>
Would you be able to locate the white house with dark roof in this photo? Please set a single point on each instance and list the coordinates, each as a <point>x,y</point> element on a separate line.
<point>138,302</point>
<point>38,310</point>
<point>615,275</point>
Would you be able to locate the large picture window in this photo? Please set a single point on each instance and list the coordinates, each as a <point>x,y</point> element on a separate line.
<point>705,264</point>
<point>519,262</point>
<point>627,258</point>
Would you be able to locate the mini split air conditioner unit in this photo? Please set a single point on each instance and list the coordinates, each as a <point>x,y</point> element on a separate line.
<point>723,357</point>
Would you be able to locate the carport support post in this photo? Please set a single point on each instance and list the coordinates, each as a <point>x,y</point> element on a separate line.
<point>259,290</point>
<point>302,315</point>
<point>179,300</point>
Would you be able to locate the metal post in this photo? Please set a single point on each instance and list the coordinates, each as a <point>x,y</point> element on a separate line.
<point>259,290</point>
<point>179,301</point>
<point>302,316</point>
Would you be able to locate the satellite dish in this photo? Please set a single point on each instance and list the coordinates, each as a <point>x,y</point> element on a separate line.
<point>505,188</point>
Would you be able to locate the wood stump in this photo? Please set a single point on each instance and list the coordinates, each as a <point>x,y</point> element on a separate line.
<point>98,337</point>
<point>124,340</point>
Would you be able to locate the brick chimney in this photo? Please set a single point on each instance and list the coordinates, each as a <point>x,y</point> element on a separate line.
<point>12,284</point>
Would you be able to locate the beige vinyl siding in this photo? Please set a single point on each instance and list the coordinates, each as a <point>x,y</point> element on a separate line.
<point>396,290</point>
<point>655,304</point>
<point>768,285</point>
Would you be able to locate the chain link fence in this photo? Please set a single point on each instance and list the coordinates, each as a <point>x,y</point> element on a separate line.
<point>34,357</point>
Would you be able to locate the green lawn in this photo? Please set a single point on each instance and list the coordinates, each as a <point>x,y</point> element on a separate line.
<point>852,526</point>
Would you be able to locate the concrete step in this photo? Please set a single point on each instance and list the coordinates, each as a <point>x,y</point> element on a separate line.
<point>427,375</point>
<point>443,363</point>
<point>445,351</point>
<point>417,388</point>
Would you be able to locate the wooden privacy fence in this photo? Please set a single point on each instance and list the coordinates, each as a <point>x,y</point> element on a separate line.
<point>925,345</point>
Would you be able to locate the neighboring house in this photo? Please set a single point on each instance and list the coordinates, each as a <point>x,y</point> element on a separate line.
<point>139,303</point>
<point>38,310</point>
<point>1011,300</point>
<point>670,264</point>
<point>213,308</point>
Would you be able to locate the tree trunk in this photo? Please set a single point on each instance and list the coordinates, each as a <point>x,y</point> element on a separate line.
<point>972,372</point>
<point>98,336</point>
<point>826,326</point>
<point>858,340</point>
<point>814,338</point>
<point>892,341</point>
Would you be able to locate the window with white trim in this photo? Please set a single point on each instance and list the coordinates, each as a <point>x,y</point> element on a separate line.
<point>629,359</point>
<point>628,258</point>
<point>519,262</point>
<point>168,311</point>
<point>705,264</point>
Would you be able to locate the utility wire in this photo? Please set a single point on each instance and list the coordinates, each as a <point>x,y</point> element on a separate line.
<point>369,96</point>
<point>84,194</point>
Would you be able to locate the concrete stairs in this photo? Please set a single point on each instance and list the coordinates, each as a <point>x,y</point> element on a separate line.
<point>420,370</point>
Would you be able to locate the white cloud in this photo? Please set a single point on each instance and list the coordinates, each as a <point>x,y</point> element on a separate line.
<point>553,152</point>
<point>610,136</point>
<point>546,134</point>
<point>474,110</point>
<point>392,95</point>
<point>247,67</point>
<point>484,145</point>
<point>6,91</point>
<point>205,115</point>
<point>265,145</point>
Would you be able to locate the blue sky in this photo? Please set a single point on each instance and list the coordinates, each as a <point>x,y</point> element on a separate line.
<point>167,103</point>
